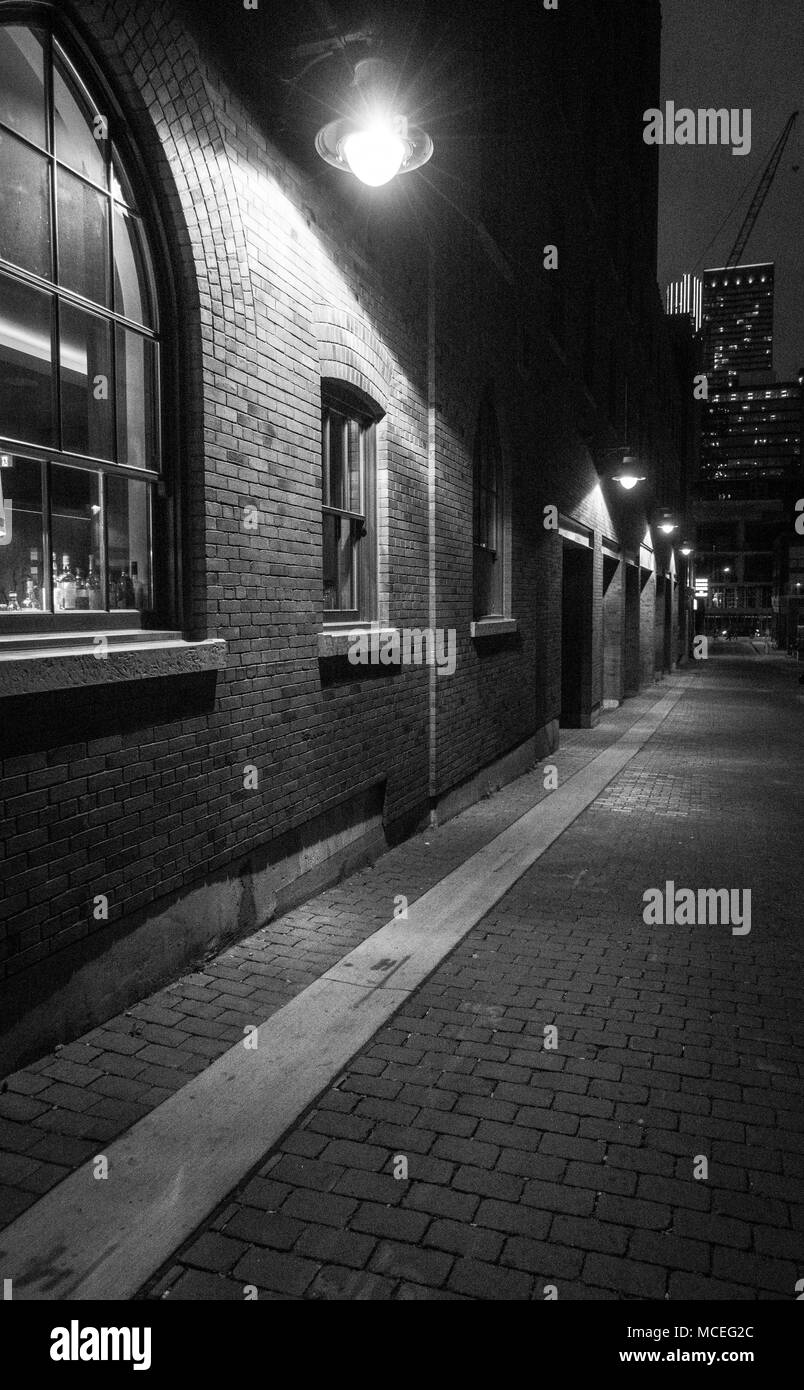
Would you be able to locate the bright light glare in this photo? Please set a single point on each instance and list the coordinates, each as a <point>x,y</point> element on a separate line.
<point>628,480</point>
<point>374,155</point>
<point>668,528</point>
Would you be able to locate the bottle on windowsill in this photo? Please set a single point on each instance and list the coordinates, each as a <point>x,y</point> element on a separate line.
<point>138,588</point>
<point>81,591</point>
<point>126,590</point>
<point>33,593</point>
<point>93,586</point>
<point>67,584</point>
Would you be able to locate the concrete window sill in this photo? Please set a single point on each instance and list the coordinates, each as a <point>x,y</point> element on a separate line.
<point>493,627</point>
<point>68,661</point>
<point>336,641</point>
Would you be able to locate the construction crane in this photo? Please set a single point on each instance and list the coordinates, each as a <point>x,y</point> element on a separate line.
<point>762,190</point>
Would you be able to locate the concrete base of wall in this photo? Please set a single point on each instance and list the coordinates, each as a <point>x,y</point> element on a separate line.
<point>514,764</point>
<point>83,986</point>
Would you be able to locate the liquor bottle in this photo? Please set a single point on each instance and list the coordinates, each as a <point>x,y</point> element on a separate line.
<point>58,596</point>
<point>67,583</point>
<point>139,589</point>
<point>81,591</point>
<point>32,590</point>
<point>126,590</point>
<point>93,585</point>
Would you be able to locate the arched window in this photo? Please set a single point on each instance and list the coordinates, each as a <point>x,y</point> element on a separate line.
<point>79,351</point>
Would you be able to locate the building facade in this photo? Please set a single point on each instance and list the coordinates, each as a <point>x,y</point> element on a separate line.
<point>310,529</point>
<point>738,319</point>
<point>750,458</point>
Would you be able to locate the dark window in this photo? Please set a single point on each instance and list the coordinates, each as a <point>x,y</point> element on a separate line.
<point>348,469</point>
<point>79,346</point>
<point>487,512</point>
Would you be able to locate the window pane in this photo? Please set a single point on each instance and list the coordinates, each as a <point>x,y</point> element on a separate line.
<point>136,400</point>
<point>21,542</point>
<point>132,295</point>
<point>337,459</point>
<point>26,363</point>
<point>340,554</point>
<point>22,92</point>
<point>75,538</point>
<point>83,238</point>
<point>75,123</point>
<point>355,444</point>
<point>128,540</point>
<point>121,188</point>
<point>86,383</point>
<point>24,206</point>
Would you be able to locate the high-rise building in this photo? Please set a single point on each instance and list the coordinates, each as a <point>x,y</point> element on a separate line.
<point>749,478</point>
<point>685,296</point>
<point>750,441</point>
<point>738,319</point>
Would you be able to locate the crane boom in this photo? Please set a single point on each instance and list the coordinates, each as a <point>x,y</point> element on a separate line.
<point>763,188</point>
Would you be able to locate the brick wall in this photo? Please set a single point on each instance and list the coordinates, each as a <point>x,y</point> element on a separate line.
<point>137,791</point>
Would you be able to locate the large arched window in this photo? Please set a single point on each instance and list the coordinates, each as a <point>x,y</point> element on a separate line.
<point>79,351</point>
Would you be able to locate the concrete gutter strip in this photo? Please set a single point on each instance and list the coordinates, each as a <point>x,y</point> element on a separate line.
<point>102,1239</point>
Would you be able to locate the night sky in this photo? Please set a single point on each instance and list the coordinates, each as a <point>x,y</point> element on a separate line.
<point>737,53</point>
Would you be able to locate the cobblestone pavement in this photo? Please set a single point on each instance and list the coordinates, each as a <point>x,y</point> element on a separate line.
<point>55,1113</point>
<point>574,1167</point>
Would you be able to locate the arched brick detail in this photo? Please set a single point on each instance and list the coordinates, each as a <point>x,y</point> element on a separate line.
<point>349,349</point>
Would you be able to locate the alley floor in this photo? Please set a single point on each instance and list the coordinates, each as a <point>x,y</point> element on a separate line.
<point>573,1103</point>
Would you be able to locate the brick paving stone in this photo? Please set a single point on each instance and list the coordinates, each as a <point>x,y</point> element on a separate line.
<point>280,1273</point>
<point>526,1166</point>
<point>411,1262</point>
<point>488,1281</point>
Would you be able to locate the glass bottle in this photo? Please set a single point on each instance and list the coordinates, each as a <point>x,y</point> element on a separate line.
<point>67,583</point>
<point>126,590</point>
<point>93,585</point>
<point>58,596</point>
<point>32,584</point>
<point>81,591</point>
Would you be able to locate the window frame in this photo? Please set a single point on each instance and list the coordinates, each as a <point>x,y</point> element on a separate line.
<point>347,402</point>
<point>488,458</point>
<point>65,45</point>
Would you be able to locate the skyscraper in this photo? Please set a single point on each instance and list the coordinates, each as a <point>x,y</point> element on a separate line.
<point>685,296</point>
<point>738,319</point>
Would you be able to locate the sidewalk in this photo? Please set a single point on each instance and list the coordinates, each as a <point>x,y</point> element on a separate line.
<point>583,1178</point>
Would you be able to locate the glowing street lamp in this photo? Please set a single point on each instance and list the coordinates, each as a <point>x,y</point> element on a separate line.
<point>628,476</point>
<point>378,142</point>
<point>686,550</point>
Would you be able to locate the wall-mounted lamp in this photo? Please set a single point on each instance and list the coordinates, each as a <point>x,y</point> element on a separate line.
<point>686,550</point>
<point>667,527</point>
<point>628,475</point>
<point>378,142</point>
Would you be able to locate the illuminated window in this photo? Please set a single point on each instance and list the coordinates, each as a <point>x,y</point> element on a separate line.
<point>348,489</point>
<point>79,347</point>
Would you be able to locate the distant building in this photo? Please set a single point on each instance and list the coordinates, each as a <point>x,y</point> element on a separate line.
<point>749,479</point>
<point>685,296</point>
<point>738,319</point>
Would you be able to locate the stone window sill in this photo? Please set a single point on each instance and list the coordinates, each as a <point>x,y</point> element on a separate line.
<point>67,661</point>
<point>493,627</point>
<point>336,641</point>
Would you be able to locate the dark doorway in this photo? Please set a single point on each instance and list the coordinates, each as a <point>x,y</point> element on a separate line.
<point>576,637</point>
